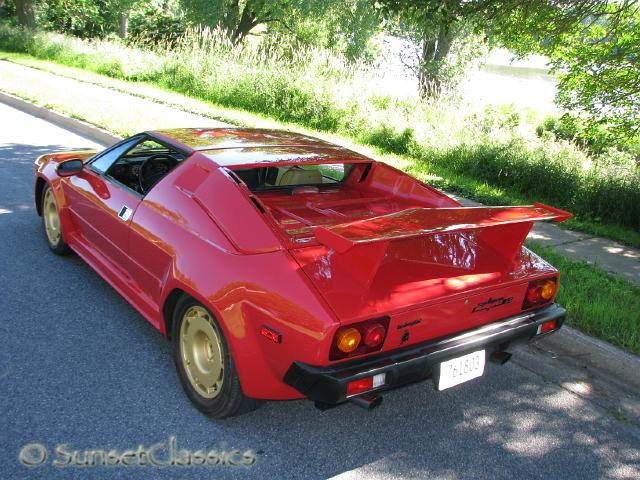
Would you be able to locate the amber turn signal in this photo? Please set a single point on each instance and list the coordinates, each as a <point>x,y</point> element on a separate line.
<point>348,339</point>
<point>548,290</point>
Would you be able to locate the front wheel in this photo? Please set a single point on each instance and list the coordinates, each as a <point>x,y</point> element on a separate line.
<point>52,224</point>
<point>204,363</point>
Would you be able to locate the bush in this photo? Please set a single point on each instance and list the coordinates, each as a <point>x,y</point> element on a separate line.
<point>154,25</point>
<point>596,138</point>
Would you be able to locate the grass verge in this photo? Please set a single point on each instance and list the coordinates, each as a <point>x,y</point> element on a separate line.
<point>597,303</point>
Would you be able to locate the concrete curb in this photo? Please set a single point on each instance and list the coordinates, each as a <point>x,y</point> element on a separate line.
<point>84,129</point>
<point>599,357</point>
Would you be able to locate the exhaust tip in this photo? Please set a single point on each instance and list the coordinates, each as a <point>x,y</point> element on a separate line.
<point>500,357</point>
<point>367,401</point>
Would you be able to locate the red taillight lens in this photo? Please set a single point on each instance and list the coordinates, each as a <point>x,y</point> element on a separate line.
<point>374,335</point>
<point>540,292</point>
<point>533,294</point>
<point>359,338</point>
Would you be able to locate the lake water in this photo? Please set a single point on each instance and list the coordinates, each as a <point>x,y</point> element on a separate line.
<point>501,80</point>
<point>523,86</point>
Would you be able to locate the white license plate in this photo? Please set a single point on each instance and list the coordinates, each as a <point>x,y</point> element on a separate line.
<point>462,369</point>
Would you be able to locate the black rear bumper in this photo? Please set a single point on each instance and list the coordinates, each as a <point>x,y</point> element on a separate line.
<point>328,384</point>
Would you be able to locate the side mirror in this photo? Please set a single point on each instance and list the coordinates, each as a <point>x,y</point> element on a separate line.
<point>70,167</point>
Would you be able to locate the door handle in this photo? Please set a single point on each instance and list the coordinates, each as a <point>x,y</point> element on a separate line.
<point>125,213</point>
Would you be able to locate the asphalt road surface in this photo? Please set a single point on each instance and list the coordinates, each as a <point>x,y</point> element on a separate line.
<point>81,370</point>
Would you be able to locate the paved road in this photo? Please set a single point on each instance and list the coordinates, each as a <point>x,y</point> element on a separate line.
<point>80,367</point>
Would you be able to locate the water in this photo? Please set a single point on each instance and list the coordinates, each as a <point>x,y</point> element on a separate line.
<point>525,83</point>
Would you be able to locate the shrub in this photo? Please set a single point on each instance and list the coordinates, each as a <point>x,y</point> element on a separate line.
<point>596,138</point>
<point>153,25</point>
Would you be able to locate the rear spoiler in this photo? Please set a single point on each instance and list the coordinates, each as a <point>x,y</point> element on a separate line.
<point>415,222</point>
<point>360,246</point>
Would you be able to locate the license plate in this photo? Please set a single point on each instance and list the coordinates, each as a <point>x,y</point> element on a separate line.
<point>462,369</point>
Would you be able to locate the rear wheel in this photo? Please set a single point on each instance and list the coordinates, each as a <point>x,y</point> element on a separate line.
<point>52,224</point>
<point>204,363</point>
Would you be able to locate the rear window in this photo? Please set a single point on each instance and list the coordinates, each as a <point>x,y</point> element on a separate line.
<point>260,178</point>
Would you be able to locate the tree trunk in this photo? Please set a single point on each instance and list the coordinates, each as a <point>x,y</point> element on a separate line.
<point>26,13</point>
<point>123,25</point>
<point>432,60</point>
<point>245,25</point>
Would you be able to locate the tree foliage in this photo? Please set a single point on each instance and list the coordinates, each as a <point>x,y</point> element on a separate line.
<point>236,17</point>
<point>344,25</point>
<point>83,18</point>
<point>599,69</point>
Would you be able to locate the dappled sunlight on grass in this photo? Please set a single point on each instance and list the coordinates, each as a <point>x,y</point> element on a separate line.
<point>588,293</point>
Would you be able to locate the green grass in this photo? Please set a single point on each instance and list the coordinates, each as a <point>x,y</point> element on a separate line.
<point>497,147</point>
<point>597,303</point>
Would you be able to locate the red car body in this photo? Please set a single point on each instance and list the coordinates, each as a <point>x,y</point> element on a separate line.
<point>284,271</point>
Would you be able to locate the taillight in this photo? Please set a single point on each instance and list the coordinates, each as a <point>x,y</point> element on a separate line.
<point>374,335</point>
<point>540,292</point>
<point>359,338</point>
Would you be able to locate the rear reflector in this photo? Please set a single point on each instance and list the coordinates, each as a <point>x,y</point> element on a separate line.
<point>271,334</point>
<point>365,384</point>
<point>547,326</point>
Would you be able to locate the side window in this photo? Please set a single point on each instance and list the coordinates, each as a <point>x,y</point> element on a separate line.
<point>106,159</point>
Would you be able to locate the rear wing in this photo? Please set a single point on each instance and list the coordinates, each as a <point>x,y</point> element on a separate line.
<point>360,245</point>
<point>415,222</point>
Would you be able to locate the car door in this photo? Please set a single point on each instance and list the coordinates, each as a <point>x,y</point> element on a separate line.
<point>103,208</point>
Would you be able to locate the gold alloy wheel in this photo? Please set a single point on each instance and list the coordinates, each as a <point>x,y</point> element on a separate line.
<point>51,218</point>
<point>201,352</point>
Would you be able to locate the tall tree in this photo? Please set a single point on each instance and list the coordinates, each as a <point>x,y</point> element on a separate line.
<point>26,12</point>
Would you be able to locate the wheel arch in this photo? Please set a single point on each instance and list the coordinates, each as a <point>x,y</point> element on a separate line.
<point>39,188</point>
<point>168,308</point>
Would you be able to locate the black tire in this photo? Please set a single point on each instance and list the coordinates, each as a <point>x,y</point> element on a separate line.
<point>230,401</point>
<point>56,245</point>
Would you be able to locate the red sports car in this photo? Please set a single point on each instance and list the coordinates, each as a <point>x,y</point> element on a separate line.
<point>282,266</point>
